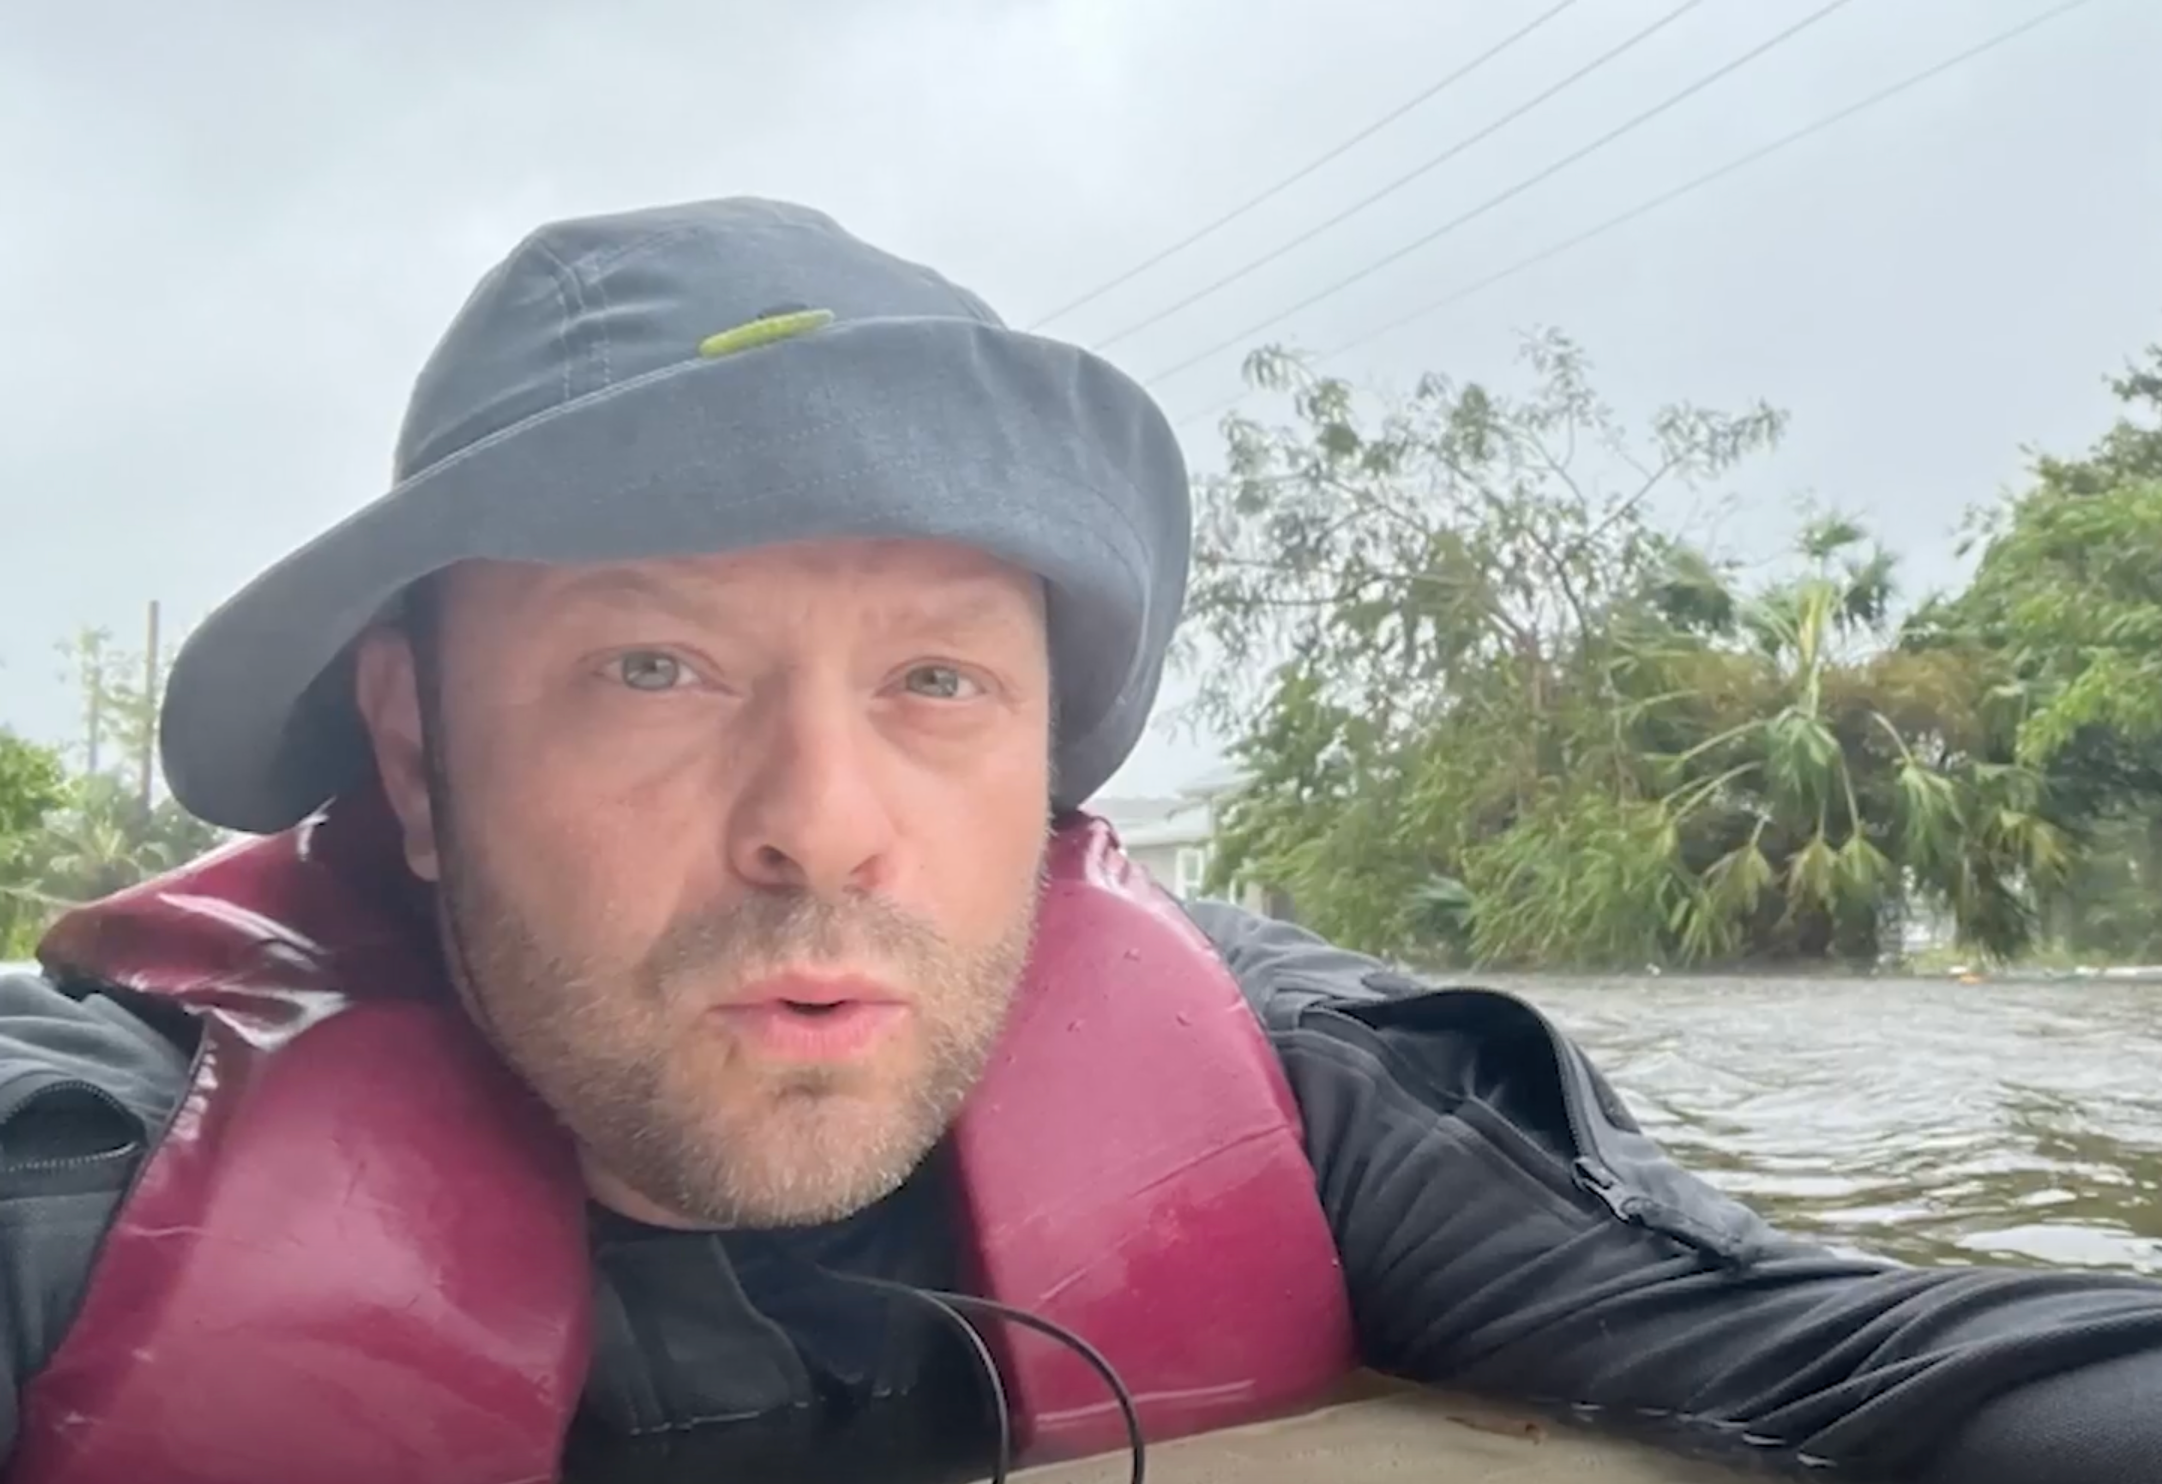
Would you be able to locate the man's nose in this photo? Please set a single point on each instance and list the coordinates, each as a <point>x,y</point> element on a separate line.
<point>811,812</point>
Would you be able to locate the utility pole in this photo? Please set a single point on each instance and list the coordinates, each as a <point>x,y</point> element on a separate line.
<point>149,761</point>
<point>90,665</point>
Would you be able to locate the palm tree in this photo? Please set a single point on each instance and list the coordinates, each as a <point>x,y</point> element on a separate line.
<point>104,841</point>
<point>1827,811</point>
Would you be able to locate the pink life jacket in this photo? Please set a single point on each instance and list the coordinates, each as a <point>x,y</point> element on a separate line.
<point>358,1253</point>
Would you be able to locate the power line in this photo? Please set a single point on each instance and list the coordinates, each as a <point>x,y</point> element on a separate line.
<point>1308,169</point>
<point>1426,167</point>
<point>1738,163</point>
<point>1247,335</point>
<point>1665,198</point>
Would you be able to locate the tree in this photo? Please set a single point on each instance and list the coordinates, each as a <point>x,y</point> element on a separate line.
<point>1406,620</point>
<point>1366,587</point>
<point>121,694</point>
<point>2066,602</point>
<point>1851,776</point>
<point>102,840</point>
<point>2069,586</point>
<point>31,789</point>
<point>1458,540</point>
<point>106,827</point>
<point>1488,706</point>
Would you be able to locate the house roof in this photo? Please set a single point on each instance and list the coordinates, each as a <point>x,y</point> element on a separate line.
<point>1193,825</point>
<point>1158,822</point>
<point>1133,813</point>
<point>1186,818</point>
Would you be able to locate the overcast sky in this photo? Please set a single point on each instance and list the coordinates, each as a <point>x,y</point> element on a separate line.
<point>230,231</point>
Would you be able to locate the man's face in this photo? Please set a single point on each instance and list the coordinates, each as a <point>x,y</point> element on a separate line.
<point>738,857</point>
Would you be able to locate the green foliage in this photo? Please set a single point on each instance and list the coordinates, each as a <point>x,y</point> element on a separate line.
<point>1489,708</point>
<point>2068,591</point>
<point>119,703</point>
<point>102,840</point>
<point>1581,876</point>
<point>32,787</point>
<point>31,781</point>
<point>2066,607</point>
<point>71,837</point>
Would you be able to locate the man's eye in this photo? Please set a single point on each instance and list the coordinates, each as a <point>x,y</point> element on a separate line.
<point>650,670</point>
<point>938,683</point>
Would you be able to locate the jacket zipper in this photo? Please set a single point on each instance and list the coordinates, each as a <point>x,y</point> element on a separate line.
<point>1589,1170</point>
<point>1595,1177</point>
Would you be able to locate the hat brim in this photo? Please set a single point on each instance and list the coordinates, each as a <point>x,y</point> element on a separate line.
<point>937,429</point>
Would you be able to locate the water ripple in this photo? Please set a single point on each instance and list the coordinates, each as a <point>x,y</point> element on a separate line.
<point>1928,1121</point>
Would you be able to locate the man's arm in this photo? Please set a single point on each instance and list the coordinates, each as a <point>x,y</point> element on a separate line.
<point>85,1089</point>
<point>1506,1228</point>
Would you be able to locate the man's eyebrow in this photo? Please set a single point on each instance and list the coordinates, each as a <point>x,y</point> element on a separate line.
<point>625,587</point>
<point>960,607</point>
<point>977,607</point>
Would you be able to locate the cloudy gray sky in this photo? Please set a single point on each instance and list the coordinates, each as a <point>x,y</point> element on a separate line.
<point>230,231</point>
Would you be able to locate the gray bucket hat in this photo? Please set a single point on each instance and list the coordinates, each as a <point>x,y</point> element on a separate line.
<point>600,399</point>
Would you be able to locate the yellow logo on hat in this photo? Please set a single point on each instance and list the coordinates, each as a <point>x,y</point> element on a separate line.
<point>764,331</point>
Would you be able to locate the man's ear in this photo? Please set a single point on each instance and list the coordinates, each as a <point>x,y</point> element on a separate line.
<point>386,687</point>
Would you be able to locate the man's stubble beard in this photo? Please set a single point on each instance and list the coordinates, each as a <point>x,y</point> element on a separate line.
<point>614,1051</point>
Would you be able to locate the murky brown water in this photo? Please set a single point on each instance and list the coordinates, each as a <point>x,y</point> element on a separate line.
<point>1924,1120</point>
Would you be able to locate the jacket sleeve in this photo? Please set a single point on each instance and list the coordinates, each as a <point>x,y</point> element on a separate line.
<point>1505,1227</point>
<point>85,1089</point>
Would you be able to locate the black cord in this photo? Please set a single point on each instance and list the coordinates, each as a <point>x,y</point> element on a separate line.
<point>1136,1442</point>
<point>985,1360</point>
<point>1000,1407</point>
<point>956,1307</point>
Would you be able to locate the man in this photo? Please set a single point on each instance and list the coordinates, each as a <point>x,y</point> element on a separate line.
<point>702,718</point>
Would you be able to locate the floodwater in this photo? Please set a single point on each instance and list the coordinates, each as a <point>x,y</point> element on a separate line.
<point>1925,1120</point>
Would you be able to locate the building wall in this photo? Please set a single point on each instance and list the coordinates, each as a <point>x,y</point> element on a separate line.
<point>1171,840</point>
<point>1177,868</point>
